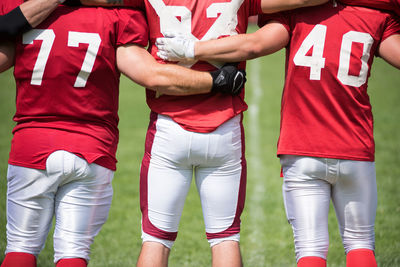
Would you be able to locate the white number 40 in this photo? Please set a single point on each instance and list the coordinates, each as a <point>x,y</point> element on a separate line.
<point>316,62</point>
<point>74,39</point>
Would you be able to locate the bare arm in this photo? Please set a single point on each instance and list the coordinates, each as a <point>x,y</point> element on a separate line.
<point>35,11</point>
<point>7,52</point>
<point>389,50</point>
<point>138,65</point>
<point>22,18</point>
<point>272,6</point>
<point>267,40</point>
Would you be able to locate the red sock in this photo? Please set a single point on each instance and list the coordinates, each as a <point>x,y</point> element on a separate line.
<point>311,262</point>
<point>73,262</point>
<point>19,259</point>
<point>361,258</point>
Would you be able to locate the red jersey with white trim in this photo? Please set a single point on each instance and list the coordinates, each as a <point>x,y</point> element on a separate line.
<point>326,111</point>
<point>67,84</point>
<point>202,20</point>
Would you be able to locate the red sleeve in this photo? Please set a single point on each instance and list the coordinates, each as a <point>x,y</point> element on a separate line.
<point>8,5</point>
<point>282,17</point>
<point>392,27</point>
<point>396,4</point>
<point>134,3</point>
<point>132,27</point>
<point>393,5</point>
<point>255,7</point>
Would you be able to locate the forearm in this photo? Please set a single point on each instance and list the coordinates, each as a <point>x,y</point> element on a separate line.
<point>35,11</point>
<point>272,6</point>
<point>231,49</point>
<point>176,80</point>
<point>267,40</point>
<point>138,65</point>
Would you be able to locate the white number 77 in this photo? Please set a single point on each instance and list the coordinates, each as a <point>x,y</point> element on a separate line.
<point>74,39</point>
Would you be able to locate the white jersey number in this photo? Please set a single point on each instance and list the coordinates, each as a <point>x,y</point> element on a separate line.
<point>74,39</point>
<point>316,62</point>
<point>225,24</point>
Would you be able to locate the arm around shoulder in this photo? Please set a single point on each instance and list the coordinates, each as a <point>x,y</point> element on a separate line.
<point>137,64</point>
<point>267,40</point>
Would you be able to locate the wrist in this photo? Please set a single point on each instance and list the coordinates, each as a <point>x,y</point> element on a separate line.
<point>189,50</point>
<point>218,81</point>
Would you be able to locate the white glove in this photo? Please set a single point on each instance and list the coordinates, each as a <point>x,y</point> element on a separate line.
<point>175,47</point>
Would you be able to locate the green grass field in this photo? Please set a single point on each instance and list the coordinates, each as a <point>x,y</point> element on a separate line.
<point>266,237</point>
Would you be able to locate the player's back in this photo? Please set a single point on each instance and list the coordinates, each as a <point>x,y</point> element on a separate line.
<point>65,68</point>
<point>326,111</point>
<point>67,80</point>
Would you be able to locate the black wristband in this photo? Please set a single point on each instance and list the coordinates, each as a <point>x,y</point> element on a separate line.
<point>72,3</point>
<point>13,23</point>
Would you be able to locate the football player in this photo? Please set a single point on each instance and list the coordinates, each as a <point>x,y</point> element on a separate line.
<point>326,144</point>
<point>195,136</point>
<point>62,158</point>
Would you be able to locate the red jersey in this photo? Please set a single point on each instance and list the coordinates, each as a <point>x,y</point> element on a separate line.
<point>202,20</point>
<point>393,5</point>
<point>326,111</point>
<point>67,84</point>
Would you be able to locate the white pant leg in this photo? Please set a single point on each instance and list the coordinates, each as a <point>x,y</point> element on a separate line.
<point>78,193</point>
<point>221,180</point>
<point>355,200</point>
<point>307,198</point>
<point>82,205</point>
<point>165,179</point>
<point>30,208</point>
<point>167,170</point>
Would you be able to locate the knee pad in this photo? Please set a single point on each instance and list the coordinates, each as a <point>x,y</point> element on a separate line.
<point>149,238</point>
<point>216,241</point>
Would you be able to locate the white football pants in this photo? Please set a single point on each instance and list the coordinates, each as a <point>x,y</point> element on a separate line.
<point>78,194</point>
<point>172,157</point>
<point>310,183</point>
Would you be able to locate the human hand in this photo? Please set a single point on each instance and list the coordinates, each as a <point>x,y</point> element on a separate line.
<point>175,47</point>
<point>228,79</point>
